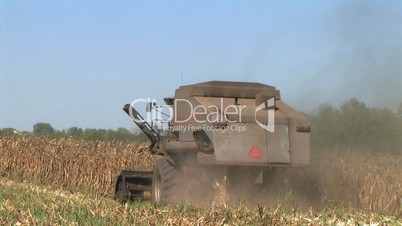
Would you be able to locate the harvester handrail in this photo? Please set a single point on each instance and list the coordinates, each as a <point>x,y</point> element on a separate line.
<point>143,125</point>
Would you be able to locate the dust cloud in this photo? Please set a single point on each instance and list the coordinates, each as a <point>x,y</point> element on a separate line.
<point>356,51</point>
<point>289,189</point>
<point>365,60</point>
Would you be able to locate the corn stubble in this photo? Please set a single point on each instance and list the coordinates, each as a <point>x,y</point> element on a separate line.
<point>359,179</point>
<point>56,207</point>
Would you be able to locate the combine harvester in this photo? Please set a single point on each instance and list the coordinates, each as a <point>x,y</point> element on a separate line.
<point>217,130</point>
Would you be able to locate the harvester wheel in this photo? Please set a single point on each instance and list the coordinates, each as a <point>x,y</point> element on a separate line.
<point>164,182</point>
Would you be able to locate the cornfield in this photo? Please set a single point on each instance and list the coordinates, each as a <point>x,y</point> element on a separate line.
<point>88,165</point>
<point>359,179</point>
<point>364,180</point>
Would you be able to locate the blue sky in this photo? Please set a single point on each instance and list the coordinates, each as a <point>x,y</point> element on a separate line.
<point>76,63</point>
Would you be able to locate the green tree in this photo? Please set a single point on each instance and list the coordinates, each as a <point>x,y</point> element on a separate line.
<point>42,128</point>
<point>95,134</point>
<point>384,133</point>
<point>400,126</point>
<point>355,126</point>
<point>124,134</point>
<point>8,132</point>
<point>140,137</point>
<point>355,121</point>
<point>325,131</point>
<point>75,132</point>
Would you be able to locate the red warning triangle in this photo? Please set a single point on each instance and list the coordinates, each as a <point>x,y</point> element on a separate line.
<point>255,152</point>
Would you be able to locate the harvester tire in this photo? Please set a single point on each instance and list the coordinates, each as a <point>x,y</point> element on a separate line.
<point>164,182</point>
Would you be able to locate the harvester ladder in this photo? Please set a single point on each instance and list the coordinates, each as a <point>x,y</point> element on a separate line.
<point>143,125</point>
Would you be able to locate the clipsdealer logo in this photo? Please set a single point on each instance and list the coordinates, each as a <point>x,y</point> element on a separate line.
<point>270,105</point>
<point>185,116</point>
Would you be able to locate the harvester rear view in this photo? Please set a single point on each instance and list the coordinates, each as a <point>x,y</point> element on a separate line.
<point>234,130</point>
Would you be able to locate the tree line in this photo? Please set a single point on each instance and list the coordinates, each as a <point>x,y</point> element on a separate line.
<point>351,126</point>
<point>354,126</point>
<point>46,129</point>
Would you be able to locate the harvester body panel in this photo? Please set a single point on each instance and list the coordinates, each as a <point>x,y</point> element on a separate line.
<point>231,126</point>
<point>238,119</point>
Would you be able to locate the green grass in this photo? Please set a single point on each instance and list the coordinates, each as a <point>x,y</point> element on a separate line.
<point>31,204</point>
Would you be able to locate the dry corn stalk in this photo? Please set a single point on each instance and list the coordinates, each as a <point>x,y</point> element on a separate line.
<point>365,180</point>
<point>85,164</point>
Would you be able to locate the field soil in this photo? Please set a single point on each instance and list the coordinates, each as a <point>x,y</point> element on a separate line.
<point>337,182</point>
